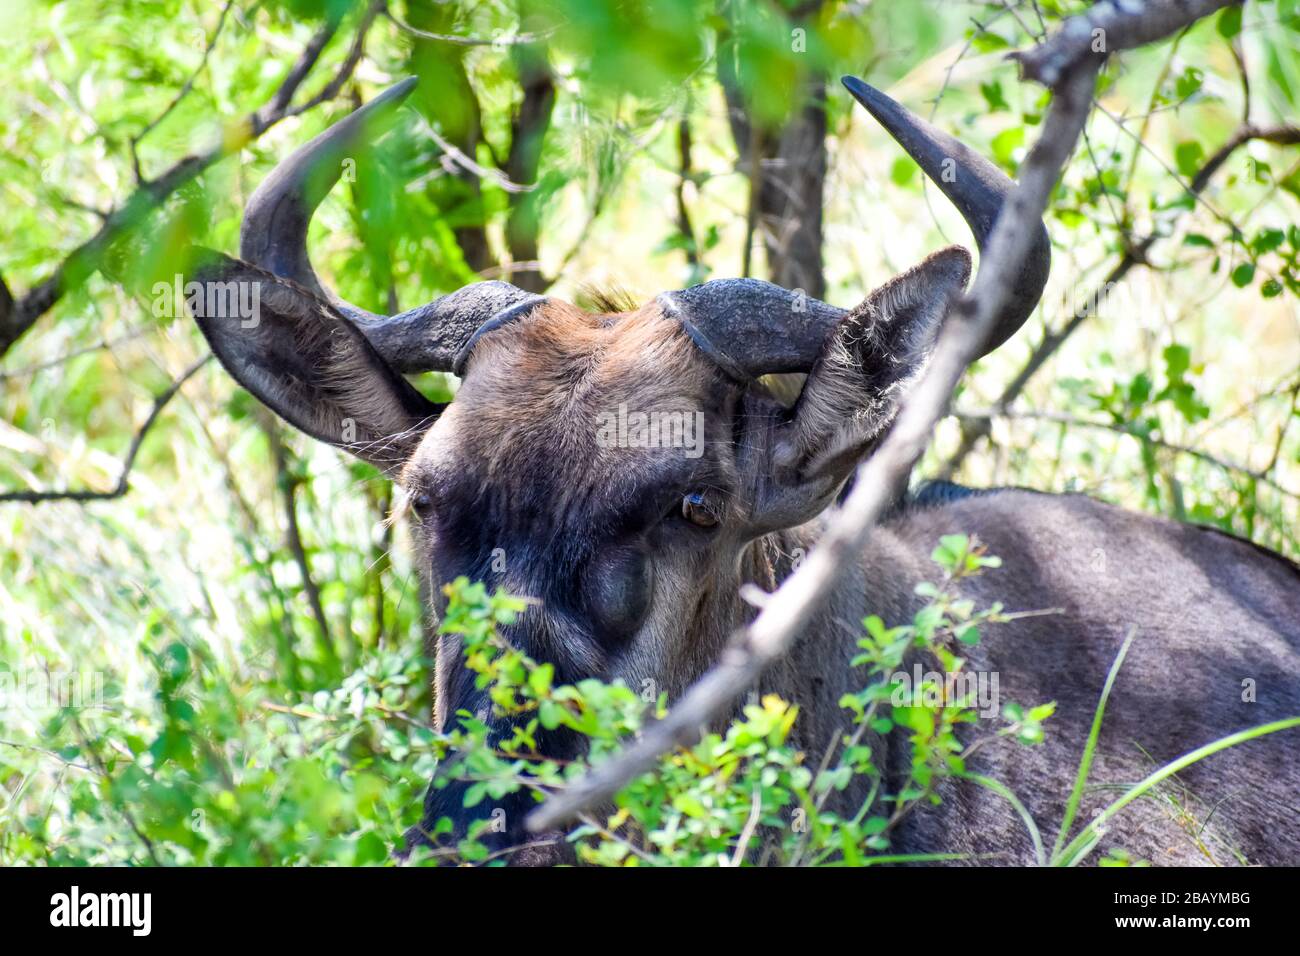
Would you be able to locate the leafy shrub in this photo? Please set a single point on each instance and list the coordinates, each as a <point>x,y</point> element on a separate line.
<point>708,804</point>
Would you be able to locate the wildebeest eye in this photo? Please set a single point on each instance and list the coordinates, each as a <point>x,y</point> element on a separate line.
<point>421,504</point>
<point>619,587</point>
<point>696,510</point>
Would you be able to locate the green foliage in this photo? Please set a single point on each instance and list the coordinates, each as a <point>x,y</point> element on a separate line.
<point>745,794</point>
<point>213,767</point>
<point>214,772</point>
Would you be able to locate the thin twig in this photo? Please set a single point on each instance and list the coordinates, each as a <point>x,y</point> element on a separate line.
<point>121,805</point>
<point>123,481</point>
<point>497,41</point>
<point>183,92</point>
<point>1061,418</point>
<point>751,824</point>
<point>128,336</point>
<point>84,259</point>
<point>973,430</point>
<point>48,753</point>
<point>467,163</point>
<point>288,484</point>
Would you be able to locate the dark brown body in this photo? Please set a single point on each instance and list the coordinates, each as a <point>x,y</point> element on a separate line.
<point>1211,613</point>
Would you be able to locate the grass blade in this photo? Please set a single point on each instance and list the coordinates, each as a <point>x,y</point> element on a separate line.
<point>1088,835</point>
<point>1090,747</point>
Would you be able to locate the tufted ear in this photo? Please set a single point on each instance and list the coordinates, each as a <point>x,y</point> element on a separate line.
<point>854,388</point>
<point>853,391</point>
<point>306,362</point>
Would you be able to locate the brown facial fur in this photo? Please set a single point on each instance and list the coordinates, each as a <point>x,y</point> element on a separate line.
<point>520,442</point>
<point>533,392</point>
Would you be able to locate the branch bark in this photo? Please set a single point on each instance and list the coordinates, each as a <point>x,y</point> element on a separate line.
<point>1071,73</point>
<point>528,130</point>
<point>1108,27</point>
<point>287,482</point>
<point>84,259</point>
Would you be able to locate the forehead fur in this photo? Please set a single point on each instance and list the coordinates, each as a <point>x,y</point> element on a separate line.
<point>536,393</point>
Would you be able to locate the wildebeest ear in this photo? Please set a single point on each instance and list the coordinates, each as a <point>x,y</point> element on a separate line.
<point>865,367</point>
<point>305,361</point>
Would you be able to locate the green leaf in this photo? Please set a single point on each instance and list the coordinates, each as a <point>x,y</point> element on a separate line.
<point>903,171</point>
<point>993,96</point>
<point>1229,22</point>
<point>690,805</point>
<point>1006,143</point>
<point>950,550</point>
<point>1187,156</point>
<point>1189,82</point>
<point>986,41</point>
<point>370,849</point>
<point>539,681</point>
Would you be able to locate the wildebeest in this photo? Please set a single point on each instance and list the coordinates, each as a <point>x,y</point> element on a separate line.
<point>635,551</point>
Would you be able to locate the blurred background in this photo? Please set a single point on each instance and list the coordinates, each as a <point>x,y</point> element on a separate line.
<point>239,624</point>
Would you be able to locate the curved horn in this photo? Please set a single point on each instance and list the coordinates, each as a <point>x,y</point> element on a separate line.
<point>975,186</point>
<point>752,328</point>
<point>765,328</point>
<point>273,236</point>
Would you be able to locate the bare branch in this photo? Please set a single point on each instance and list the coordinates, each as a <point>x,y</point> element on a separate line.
<point>497,41</point>
<point>128,336</point>
<point>102,769</point>
<point>1108,27</point>
<point>7,304</point>
<point>288,484</point>
<point>464,161</point>
<point>123,480</point>
<point>974,429</point>
<point>1264,475</point>
<point>970,322</point>
<point>84,259</point>
<point>335,86</point>
<point>684,225</point>
<point>181,94</point>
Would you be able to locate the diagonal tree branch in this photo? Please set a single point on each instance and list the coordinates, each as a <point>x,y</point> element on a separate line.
<point>787,611</point>
<point>181,94</point>
<point>84,260</point>
<point>1108,27</point>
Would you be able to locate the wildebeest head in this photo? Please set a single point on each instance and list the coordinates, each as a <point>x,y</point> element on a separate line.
<point>615,465</point>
